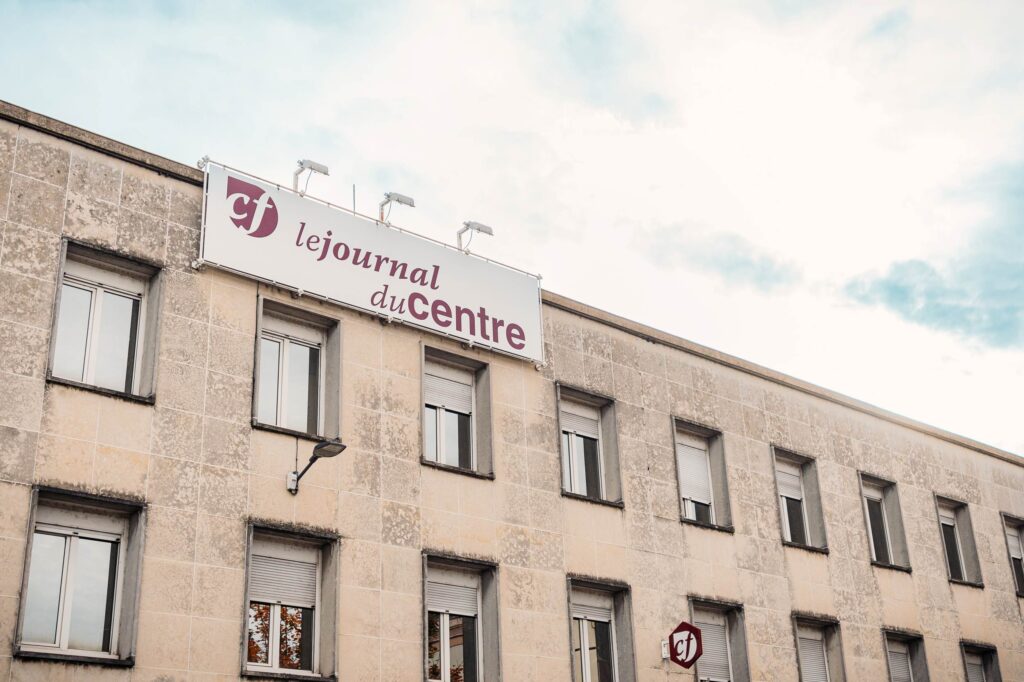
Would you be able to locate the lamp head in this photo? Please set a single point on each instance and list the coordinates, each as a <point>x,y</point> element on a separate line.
<point>328,448</point>
<point>478,227</point>
<point>400,199</point>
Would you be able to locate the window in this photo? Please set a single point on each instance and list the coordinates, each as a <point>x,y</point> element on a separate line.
<point>886,539</point>
<point>958,542</point>
<point>1015,547</point>
<point>81,577</point>
<point>460,601</point>
<point>724,658</point>
<point>448,415</point>
<point>588,444</point>
<point>980,662</point>
<point>289,603</point>
<point>297,371</point>
<point>799,502</point>
<point>905,657</point>
<point>819,651</point>
<point>602,649</point>
<point>697,499</point>
<point>102,322</point>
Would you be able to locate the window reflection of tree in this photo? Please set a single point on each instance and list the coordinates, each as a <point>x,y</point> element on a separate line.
<point>291,654</point>
<point>259,633</point>
<point>434,646</point>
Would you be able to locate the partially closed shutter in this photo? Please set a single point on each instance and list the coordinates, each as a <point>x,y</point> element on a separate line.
<point>975,668</point>
<point>1013,542</point>
<point>581,419</point>
<point>693,473</point>
<point>788,476</point>
<point>714,662</point>
<point>592,612</point>
<point>448,387</point>
<point>287,581</point>
<point>899,662</point>
<point>813,665</point>
<point>458,599</point>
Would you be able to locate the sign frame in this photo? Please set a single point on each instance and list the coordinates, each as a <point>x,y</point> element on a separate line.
<point>539,361</point>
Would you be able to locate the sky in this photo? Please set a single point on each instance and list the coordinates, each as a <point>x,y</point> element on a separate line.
<point>833,190</point>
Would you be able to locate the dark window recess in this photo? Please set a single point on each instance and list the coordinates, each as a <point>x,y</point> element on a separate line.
<point>593,467</point>
<point>876,516</point>
<point>462,635</point>
<point>1018,574</point>
<point>313,392</point>
<point>795,515</point>
<point>956,570</point>
<point>457,437</point>
<point>702,512</point>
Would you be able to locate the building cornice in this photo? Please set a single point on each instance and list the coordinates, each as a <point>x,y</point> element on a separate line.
<point>194,176</point>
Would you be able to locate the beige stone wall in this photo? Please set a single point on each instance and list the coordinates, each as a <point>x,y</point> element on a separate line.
<point>203,471</point>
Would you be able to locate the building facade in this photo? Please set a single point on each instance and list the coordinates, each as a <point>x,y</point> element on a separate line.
<point>489,518</point>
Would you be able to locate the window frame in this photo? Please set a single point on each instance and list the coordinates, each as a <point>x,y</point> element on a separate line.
<point>579,621</point>
<point>811,504</point>
<point>875,492</point>
<point>735,635</point>
<point>952,510</point>
<point>1013,523</point>
<point>916,655</point>
<point>485,576</point>
<point>440,410</point>
<point>609,472</point>
<point>832,642</point>
<point>989,659</point>
<point>967,549</point>
<point>787,531</point>
<point>278,329</point>
<point>87,268</point>
<point>444,620</point>
<point>325,635</point>
<point>73,515</point>
<point>687,504</point>
<point>572,455</point>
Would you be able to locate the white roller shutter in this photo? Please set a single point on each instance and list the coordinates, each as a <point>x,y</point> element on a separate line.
<point>581,419</point>
<point>448,387</point>
<point>975,668</point>
<point>947,515</point>
<point>592,605</point>
<point>788,476</point>
<point>694,482</point>
<point>714,662</point>
<point>1013,541</point>
<point>899,662</point>
<point>813,664</point>
<point>287,581</point>
<point>446,598</point>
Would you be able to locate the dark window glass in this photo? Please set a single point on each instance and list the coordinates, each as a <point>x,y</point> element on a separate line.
<point>462,648</point>
<point>956,571</point>
<point>457,440</point>
<point>433,646</point>
<point>313,392</point>
<point>795,515</point>
<point>258,648</point>
<point>702,512</point>
<point>296,638</point>
<point>592,468</point>
<point>600,651</point>
<point>876,517</point>
<point>1018,574</point>
<point>430,432</point>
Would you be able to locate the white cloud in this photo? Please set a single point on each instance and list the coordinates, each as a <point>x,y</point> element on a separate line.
<point>836,139</point>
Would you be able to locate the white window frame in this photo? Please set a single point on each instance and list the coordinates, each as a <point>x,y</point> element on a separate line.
<point>460,375</point>
<point>582,409</point>
<point>715,617</point>
<point>97,281</point>
<point>73,524</point>
<point>700,443</point>
<point>813,632</point>
<point>581,597</point>
<point>875,491</point>
<point>282,548</point>
<point>464,579</point>
<point>951,510</point>
<point>787,534</point>
<point>285,331</point>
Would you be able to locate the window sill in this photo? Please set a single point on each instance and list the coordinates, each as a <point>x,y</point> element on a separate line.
<point>286,431</point>
<point>594,500</point>
<point>108,661</point>
<point>892,567</point>
<point>131,397</point>
<point>808,548</point>
<point>709,526</point>
<point>967,583</point>
<point>456,470</point>
<point>274,675</point>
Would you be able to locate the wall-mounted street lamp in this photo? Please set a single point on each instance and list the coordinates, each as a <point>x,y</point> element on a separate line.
<point>472,227</point>
<point>395,198</point>
<point>326,448</point>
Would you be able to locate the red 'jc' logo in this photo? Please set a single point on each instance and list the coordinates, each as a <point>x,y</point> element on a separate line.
<point>251,208</point>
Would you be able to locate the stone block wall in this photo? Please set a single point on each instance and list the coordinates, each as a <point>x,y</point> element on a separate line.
<point>203,472</point>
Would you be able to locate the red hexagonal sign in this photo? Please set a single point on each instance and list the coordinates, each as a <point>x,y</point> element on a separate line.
<point>684,645</point>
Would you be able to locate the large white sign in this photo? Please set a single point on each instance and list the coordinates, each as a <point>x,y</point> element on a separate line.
<point>262,230</point>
